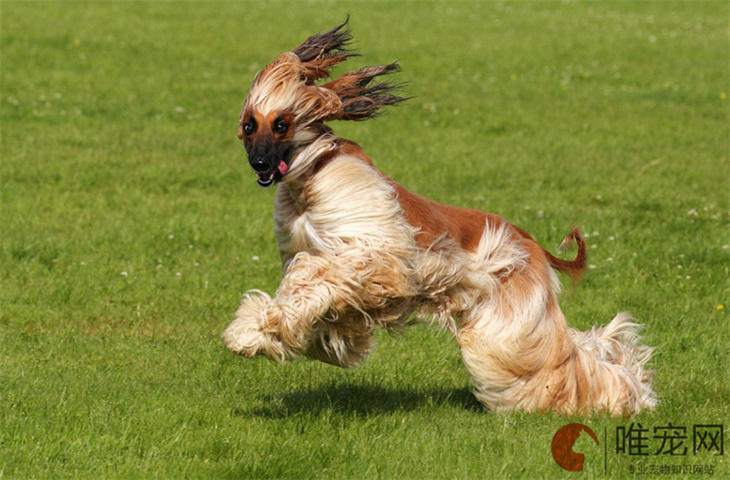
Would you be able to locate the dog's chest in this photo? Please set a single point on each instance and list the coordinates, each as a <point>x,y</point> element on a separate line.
<point>346,204</point>
<point>295,231</point>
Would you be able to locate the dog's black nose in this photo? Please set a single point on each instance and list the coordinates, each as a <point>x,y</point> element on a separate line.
<point>260,165</point>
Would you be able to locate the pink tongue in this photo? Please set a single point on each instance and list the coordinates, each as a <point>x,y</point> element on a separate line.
<point>283,167</point>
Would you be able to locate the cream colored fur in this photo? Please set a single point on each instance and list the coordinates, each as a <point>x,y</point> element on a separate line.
<point>351,264</point>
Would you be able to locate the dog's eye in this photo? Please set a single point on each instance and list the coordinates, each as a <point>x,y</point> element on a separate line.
<point>280,126</point>
<point>249,127</point>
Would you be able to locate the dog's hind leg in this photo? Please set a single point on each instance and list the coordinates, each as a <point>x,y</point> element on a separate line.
<point>533,361</point>
<point>517,345</point>
<point>547,370</point>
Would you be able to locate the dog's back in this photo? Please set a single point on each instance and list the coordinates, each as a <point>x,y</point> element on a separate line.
<point>360,251</point>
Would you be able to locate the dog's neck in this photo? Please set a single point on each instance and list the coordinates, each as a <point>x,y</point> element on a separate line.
<point>306,160</point>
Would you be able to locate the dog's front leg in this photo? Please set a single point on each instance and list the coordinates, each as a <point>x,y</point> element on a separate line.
<point>255,328</point>
<point>313,287</point>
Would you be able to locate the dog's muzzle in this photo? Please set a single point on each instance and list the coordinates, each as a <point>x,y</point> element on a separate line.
<point>268,176</point>
<point>269,162</point>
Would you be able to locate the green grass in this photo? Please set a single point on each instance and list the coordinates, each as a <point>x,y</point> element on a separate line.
<point>131,225</point>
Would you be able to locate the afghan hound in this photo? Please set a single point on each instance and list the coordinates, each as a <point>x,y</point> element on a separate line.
<point>359,251</point>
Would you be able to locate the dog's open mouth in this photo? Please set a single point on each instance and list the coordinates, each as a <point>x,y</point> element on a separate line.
<point>267,179</point>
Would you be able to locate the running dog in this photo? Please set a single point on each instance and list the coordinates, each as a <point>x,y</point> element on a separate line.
<point>359,251</point>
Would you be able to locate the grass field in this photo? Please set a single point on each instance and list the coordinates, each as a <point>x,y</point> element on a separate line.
<point>131,225</point>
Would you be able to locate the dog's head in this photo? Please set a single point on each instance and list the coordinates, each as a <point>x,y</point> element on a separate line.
<point>286,108</point>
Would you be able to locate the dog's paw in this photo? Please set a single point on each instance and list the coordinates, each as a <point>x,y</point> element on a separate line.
<point>255,328</point>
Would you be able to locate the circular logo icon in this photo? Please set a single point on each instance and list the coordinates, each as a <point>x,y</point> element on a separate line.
<point>562,446</point>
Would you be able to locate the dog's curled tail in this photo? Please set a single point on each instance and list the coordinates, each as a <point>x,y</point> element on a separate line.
<point>573,268</point>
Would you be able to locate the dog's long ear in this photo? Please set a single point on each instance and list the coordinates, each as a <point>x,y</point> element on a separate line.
<point>360,98</point>
<point>319,53</point>
<point>353,96</point>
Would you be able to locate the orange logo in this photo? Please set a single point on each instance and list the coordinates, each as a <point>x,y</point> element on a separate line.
<point>562,446</point>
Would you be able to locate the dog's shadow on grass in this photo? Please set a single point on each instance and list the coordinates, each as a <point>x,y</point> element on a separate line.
<point>361,400</point>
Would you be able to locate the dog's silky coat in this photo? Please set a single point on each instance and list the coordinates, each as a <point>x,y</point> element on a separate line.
<point>359,251</point>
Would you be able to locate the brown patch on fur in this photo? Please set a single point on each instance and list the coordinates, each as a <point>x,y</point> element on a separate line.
<point>464,226</point>
<point>344,147</point>
<point>435,220</point>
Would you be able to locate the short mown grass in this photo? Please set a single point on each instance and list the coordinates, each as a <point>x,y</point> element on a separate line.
<point>131,225</point>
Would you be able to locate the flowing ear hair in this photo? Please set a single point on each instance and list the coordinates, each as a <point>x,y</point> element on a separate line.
<point>352,96</point>
<point>319,53</point>
<point>360,98</point>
